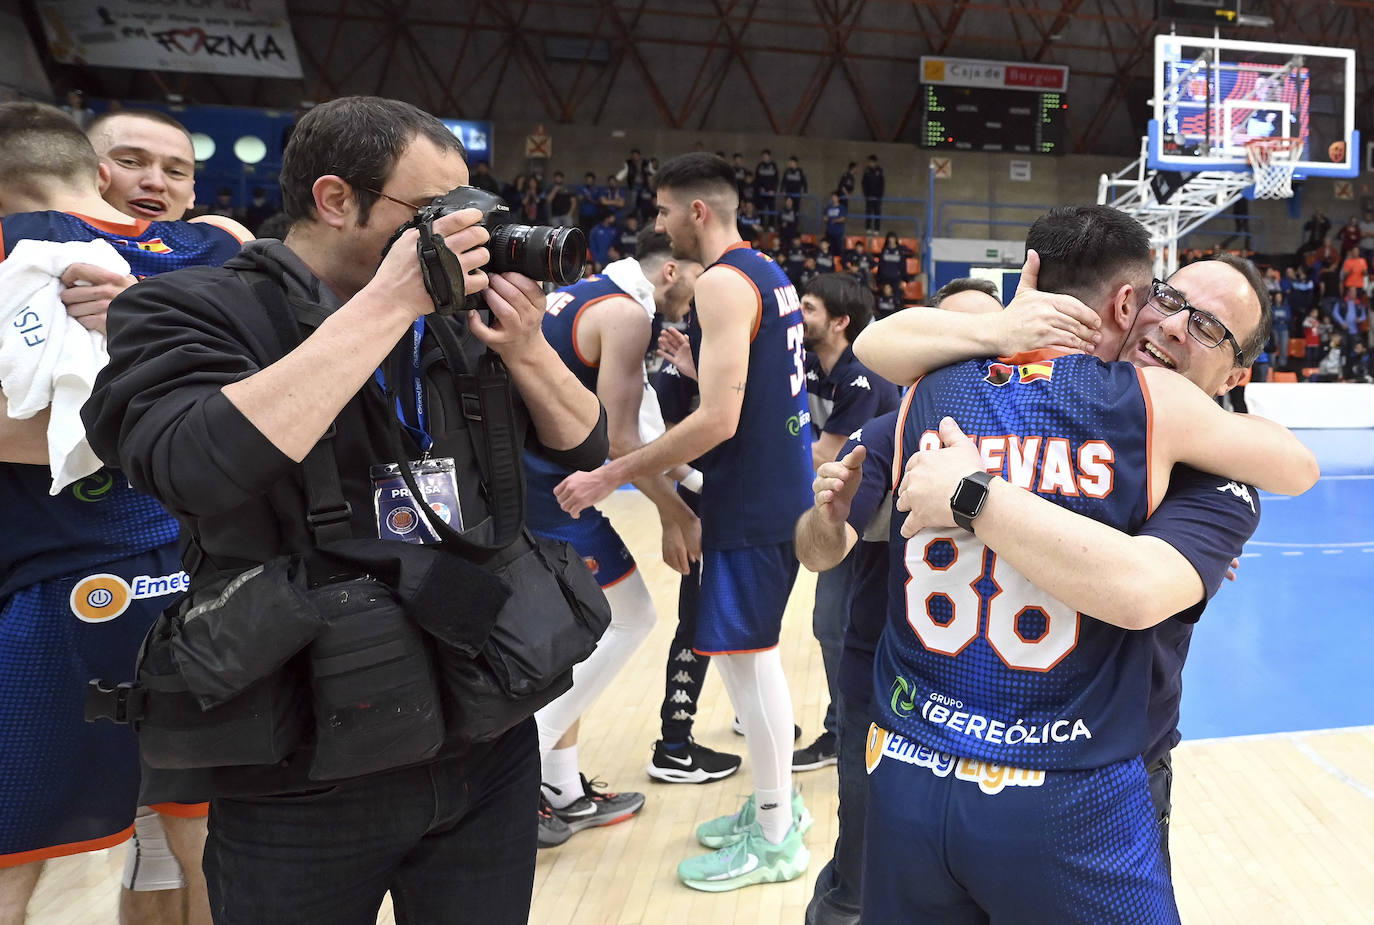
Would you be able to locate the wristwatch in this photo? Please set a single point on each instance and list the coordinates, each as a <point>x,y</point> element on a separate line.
<point>969,497</point>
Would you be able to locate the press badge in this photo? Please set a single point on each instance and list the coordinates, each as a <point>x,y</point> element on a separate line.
<point>398,515</point>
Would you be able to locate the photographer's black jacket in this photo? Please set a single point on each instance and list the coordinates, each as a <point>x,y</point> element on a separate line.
<point>158,413</point>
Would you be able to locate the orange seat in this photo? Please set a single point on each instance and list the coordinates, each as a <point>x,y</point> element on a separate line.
<point>1308,372</point>
<point>1281,376</point>
<point>854,242</point>
<point>875,244</point>
<point>913,266</point>
<point>914,291</point>
<point>911,244</point>
<point>1297,347</point>
<point>808,239</point>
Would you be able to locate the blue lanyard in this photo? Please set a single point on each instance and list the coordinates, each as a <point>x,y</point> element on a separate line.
<point>419,429</point>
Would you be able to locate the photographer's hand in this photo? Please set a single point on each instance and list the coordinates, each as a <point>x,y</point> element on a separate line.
<point>517,315</point>
<point>399,280</point>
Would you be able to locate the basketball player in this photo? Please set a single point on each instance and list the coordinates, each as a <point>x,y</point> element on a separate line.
<point>1021,720</point>
<point>751,428</point>
<point>70,561</point>
<point>600,327</point>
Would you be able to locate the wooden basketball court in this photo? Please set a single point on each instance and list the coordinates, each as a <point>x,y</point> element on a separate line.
<point>1266,829</point>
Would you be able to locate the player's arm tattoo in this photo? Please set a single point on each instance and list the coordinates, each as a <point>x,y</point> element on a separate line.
<point>738,386</point>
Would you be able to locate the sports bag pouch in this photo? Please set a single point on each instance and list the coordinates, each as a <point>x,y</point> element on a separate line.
<point>552,620</point>
<point>262,724</point>
<point>375,699</point>
<point>247,631</point>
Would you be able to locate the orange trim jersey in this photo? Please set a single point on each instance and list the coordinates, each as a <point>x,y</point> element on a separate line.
<point>975,660</point>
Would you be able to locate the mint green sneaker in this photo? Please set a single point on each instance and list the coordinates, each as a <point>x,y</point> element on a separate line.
<point>750,859</point>
<point>726,830</point>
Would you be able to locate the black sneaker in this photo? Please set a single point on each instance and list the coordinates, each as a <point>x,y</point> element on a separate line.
<point>816,755</point>
<point>692,764</point>
<point>552,830</point>
<point>596,806</point>
<point>738,729</point>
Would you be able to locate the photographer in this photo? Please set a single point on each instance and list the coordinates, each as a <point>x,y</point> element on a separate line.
<point>202,410</point>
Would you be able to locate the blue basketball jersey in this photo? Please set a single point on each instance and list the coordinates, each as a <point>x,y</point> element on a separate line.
<point>149,247</point>
<point>564,312</point>
<point>98,518</point>
<point>758,482</point>
<point>975,660</point>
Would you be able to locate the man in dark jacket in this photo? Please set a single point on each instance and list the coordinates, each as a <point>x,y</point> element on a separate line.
<point>201,409</point>
<point>875,185</point>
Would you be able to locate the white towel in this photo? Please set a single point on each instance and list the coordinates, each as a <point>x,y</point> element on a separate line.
<point>46,357</point>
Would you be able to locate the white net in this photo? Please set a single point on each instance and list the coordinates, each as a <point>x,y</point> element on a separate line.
<point>1272,162</point>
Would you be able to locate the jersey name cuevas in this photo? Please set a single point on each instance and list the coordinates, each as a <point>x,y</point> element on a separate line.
<point>757,483</point>
<point>975,660</point>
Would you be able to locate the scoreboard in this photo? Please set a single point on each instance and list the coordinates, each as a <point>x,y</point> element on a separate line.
<point>988,119</point>
<point>974,105</point>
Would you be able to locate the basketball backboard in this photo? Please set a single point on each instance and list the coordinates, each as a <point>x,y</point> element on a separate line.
<point>1212,95</point>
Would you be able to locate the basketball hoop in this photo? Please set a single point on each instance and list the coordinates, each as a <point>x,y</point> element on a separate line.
<point>1272,161</point>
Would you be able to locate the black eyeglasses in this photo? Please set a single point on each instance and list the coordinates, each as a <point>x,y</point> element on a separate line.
<point>400,202</point>
<point>1205,327</point>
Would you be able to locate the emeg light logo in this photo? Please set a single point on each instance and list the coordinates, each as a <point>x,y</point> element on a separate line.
<point>98,598</point>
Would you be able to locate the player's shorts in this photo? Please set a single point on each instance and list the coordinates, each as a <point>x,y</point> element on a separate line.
<point>959,840</point>
<point>743,594</point>
<point>591,534</point>
<point>68,786</point>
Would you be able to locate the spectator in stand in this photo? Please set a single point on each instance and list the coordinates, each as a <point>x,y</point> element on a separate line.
<point>1367,236</point>
<point>532,204</point>
<point>1328,270</point>
<point>787,223</point>
<point>794,261</point>
<point>259,210</point>
<point>613,197</point>
<point>636,173</point>
<point>846,184</point>
<point>750,225</point>
<point>827,259</point>
<point>874,185</point>
<point>1350,236</point>
<point>589,197</point>
<point>892,262</point>
<point>644,203</point>
<point>599,240</point>
<point>766,188</point>
<point>1333,363</point>
<point>888,301</point>
<point>223,204</point>
<point>559,202</point>
<point>1357,365</point>
<point>748,191</point>
<point>1350,315</point>
<point>76,108</point>
<point>809,270</point>
<point>835,215</point>
<point>629,236</point>
<point>1354,270</point>
<point>514,193</point>
<point>859,263</point>
<point>1314,231</point>
<point>794,179</point>
<point>482,179</point>
<point>741,171</point>
<point>1302,295</point>
<point>1312,338</point>
<point>1283,325</point>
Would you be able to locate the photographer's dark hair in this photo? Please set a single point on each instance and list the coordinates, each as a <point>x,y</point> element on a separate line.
<point>651,244</point>
<point>1085,248</point>
<point>357,138</point>
<point>41,143</point>
<point>964,284</point>
<point>843,295</point>
<point>697,172</point>
<point>1252,346</point>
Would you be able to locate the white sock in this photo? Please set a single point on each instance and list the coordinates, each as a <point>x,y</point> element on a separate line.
<point>559,769</point>
<point>758,690</point>
<point>632,619</point>
<point>773,809</point>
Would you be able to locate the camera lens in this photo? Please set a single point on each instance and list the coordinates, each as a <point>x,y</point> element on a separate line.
<point>540,252</point>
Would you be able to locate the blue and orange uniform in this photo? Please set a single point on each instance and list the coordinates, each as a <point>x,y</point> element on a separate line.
<point>591,534</point>
<point>758,482</point>
<point>1005,757</point>
<point>85,573</point>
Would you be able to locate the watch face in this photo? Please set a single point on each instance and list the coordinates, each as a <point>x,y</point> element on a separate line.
<point>968,497</point>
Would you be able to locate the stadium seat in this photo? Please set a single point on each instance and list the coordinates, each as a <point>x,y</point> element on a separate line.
<point>1308,372</point>
<point>913,266</point>
<point>808,238</point>
<point>911,244</point>
<point>1282,376</point>
<point>1297,347</point>
<point>855,242</point>
<point>913,292</point>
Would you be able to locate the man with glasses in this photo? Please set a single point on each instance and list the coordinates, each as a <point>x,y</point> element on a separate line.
<point>1124,711</point>
<point>202,410</point>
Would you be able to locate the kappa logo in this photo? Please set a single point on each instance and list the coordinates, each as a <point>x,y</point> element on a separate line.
<point>103,597</point>
<point>682,677</point>
<point>857,435</point>
<point>1242,492</point>
<point>680,696</point>
<point>812,376</point>
<point>861,382</point>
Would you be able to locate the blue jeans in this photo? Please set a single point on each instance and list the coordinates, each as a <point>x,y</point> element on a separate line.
<point>828,618</point>
<point>836,900</point>
<point>453,840</point>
